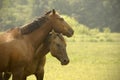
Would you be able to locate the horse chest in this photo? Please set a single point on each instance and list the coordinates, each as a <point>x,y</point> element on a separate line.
<point>31,68</point>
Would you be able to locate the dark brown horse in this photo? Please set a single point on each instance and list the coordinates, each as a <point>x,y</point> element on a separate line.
<point>54,43</point>
<point>17,53</point>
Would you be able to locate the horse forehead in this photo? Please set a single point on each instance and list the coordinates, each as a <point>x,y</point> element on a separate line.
<point>55,15</point>
<point>56,39</point>
<point>59,40</point>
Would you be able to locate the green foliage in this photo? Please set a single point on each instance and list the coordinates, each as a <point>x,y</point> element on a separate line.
<point>14,15</point>
<point>83,33</point>
<point>92,13</point>
<point>106,30</point>
<point>20,12</point>
<point>88,61</point>
<point>78,28</point>
<point>94,31</point>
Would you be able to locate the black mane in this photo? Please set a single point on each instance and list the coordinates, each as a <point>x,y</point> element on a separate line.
<point>33,25</point>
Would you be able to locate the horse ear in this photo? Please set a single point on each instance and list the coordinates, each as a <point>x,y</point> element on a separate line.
<point>53,11</point>
<point>47,13</point>
<point>53,33</point>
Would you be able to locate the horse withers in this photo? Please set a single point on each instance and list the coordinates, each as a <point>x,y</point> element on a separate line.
<point>56,45</point>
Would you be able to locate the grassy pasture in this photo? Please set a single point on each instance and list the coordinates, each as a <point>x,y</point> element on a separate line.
<point>88,61</point>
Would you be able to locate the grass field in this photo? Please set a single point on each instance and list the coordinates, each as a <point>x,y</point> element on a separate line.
<point>88,61</point>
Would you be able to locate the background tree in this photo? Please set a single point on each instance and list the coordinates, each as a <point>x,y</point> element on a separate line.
<point>92,13</point>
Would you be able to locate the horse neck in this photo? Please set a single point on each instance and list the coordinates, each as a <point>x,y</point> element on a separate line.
<point>39,35</point>
<point>42,50</point>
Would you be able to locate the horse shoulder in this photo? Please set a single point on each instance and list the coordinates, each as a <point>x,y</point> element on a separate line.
<point>20,54</point>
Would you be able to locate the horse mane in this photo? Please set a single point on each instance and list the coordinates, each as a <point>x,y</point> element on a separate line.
<point>30,27</point>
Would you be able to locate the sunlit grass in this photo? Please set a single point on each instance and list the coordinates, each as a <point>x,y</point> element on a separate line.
<point>88,61</point>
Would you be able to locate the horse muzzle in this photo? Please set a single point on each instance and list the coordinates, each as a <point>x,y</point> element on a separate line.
<point>70,33</point>
<point>65,62</point>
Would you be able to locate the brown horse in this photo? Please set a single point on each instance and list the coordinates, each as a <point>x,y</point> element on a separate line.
<point>15,53</point>
<point>54,43</point>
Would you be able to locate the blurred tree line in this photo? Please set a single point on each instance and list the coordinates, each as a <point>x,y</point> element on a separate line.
<point>92,13</point>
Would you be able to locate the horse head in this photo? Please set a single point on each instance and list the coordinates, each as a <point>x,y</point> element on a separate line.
<point>59,24</point>
<point>58,48</point>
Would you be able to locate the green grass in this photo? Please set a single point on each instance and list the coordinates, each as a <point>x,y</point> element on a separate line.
<point>88,61</point>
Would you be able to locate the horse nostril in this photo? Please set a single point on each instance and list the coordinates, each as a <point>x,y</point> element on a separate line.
<point>66,61</point>
<point>71,31</point>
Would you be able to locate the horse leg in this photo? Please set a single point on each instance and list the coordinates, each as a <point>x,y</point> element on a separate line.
<point>1,77</point>
<point>40,75</point>
<point>18,74</point>
<point>24,77</point>
<point>7,76</point>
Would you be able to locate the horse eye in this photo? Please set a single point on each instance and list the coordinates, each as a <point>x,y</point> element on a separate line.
<point>61,19</point>
<point>58,45</point>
